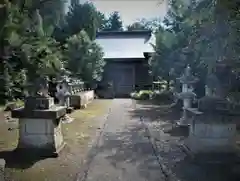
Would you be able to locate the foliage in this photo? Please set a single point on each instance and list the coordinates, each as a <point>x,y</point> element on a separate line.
<point>114,23</point>
<point>53,12</point>
<point>136,26</point>
<point>31,37</point>
<point>146,24</point>
<point>102,21</point>
<point>151,24</point>
<point>27,50</point>
<point>82,17</point>
<point>142,95</point>
<point>84,57</point>
<point>197,34</point>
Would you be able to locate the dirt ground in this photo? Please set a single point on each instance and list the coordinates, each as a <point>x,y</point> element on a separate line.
<point>77,135</point>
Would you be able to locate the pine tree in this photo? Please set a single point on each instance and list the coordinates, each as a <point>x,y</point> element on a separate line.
<point>114,22</point>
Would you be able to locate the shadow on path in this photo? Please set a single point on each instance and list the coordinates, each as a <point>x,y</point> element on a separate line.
<point>159,119</point>
<point>19,159</point>
<point>152,111</point>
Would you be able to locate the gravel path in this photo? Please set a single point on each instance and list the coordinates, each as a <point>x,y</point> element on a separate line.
<point>123,151</point>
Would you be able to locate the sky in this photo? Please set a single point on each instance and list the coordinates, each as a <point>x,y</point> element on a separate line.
<point>132,10</point>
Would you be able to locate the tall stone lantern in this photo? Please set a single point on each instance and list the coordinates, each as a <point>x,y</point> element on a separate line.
<point>187,94</point>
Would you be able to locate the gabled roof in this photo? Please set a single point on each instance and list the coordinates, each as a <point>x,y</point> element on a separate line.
<point>125,44</point>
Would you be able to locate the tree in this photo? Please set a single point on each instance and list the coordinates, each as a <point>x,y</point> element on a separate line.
<point>53,12</point>
<point>151,24</point>
<point>26,51</point>
<point>136,26</point>
<point>174,43</point>
<point>84,58</point>
<point>102,21</point>
<point>82,17</point>
<point>114,22</point>
<point>204,34</point>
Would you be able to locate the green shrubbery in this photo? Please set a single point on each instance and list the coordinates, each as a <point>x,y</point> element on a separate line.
<point>142,95</point>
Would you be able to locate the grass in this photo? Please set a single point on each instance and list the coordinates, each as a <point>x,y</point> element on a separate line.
<point>77,136</point>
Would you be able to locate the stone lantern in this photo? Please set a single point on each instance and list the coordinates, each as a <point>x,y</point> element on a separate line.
<point>187,94</point>
<point>63,93</point>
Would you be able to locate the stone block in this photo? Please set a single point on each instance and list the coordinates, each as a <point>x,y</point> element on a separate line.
<point>81,99</point>
<point>32,103</point>
<point>42,134</point>
<point>75,101</point>
<point>40,129</point>
<point>212,137</point>
<point>53,113</point>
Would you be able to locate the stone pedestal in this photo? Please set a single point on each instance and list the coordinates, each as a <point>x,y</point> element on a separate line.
<point>187,94</point>
<point>40,129</point>
<point>212,138</point>
<point>40,133</point>
<point>184,120</point>
<point>211,133</point>
<point>187,98</point>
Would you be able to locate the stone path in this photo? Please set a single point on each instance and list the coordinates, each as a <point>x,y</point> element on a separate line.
<point>123,151</point>
<point>137,145</point>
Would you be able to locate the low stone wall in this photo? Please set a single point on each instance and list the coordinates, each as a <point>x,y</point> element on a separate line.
<point>81,99</point>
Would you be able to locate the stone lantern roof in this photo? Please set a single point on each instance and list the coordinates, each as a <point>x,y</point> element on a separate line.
<point>187,77</point>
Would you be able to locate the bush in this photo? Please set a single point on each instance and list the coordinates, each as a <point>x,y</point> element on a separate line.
<point>142,95</point>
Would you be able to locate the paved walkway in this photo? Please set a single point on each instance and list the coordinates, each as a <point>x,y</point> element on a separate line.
<point>146,149</point>
<point>123,151</point>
